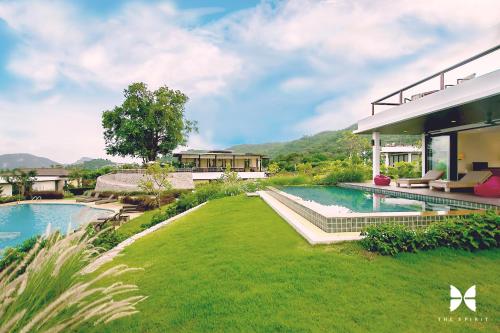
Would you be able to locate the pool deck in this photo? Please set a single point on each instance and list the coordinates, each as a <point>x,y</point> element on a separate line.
<point>306,229</point>
<point>462,196</point>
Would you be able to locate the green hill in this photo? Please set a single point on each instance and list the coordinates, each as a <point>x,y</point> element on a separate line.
<point>331,144</point>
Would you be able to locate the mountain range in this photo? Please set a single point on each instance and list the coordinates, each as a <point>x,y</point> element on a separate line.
<point>23,160</point>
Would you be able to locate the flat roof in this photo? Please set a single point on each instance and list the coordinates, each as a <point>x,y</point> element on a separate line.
<point>215,152</point>
<point>475,101</point>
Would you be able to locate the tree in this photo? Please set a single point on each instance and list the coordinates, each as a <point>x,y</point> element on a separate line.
<point>273,168</point>
<point>22,180</point>
<point>355,145</point>
<point>148,123</point>
<point>76,174</point>
<point>156,180</point>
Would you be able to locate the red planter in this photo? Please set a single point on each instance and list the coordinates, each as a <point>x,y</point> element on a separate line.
<point>382,180</point>
<point>490,188</point>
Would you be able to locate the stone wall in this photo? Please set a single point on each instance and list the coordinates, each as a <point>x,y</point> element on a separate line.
<point>129,182</point>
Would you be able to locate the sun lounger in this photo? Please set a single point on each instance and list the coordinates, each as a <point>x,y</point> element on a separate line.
<point>468,181</point>
<point>108,200</point>
<point>93,198</point>
<point>425,180</point>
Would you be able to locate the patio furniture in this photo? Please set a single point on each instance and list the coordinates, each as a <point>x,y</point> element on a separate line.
<point>489,189</point>
<point>428,177</point>
<point>93,198</point>
<point>108,200</point>
<point>470,180</point>
<point>382,180</point>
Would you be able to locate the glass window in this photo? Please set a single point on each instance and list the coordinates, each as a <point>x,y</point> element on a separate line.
<point>438,152</point>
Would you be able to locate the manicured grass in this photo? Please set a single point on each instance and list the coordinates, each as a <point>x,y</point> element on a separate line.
<point>234,265</point>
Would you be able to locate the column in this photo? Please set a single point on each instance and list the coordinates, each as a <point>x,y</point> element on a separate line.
<point>409,157</point>
<point>423,158</point>
<point>387,159</point>
<point>376,153</point>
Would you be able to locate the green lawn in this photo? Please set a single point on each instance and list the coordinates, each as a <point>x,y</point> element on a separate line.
<point>234,265</point>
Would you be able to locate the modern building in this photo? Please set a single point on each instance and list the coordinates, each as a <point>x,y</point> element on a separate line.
<point>459,123</point>
<point>47,179</point>
<point>394,154</point>
<point>209,165</point>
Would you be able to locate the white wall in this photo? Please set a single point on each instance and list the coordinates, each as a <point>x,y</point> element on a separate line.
<point>5,190</point>
<point>479,146</point>
<point>49,185</point>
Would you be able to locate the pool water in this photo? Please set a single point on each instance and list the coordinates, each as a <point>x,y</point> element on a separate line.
<point>20,222</point>
<point>346,200</point>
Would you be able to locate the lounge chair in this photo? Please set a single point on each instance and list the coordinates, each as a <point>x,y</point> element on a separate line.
<point>108,200</point>
<point>428,177</point>
<point>93,198</point>
<point>468,181</point>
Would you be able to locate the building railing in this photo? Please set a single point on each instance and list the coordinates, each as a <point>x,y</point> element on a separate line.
<point>216,169</point>
<point>442,85</point>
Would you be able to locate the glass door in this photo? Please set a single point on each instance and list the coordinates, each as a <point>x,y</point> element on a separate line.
<point>438,154</point>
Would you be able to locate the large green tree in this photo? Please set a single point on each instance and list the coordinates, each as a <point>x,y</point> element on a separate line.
<point>148,124</point>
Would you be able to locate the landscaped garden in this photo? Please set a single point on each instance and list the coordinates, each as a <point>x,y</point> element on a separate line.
<point>234,265</point>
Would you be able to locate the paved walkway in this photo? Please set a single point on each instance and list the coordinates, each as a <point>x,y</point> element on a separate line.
<point>306,229</point>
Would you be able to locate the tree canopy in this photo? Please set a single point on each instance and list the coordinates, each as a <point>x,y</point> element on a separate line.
<point>148,124</point>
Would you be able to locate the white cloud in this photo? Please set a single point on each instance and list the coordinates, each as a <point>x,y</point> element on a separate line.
<point>140,43</point>
<point>342,53</point>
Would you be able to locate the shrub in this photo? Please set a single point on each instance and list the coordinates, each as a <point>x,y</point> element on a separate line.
<point>11,199</point>
<point>47,194</point>
<point>79,190</point>
<point>287,179</point>
<point>146,202</point>
<point>474,232</point>
<point>16,254</point>
<point>402,170</point>
<point>343,171</point>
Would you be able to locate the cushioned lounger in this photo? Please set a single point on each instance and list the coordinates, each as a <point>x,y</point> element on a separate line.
<point>428,177</point>
<point>470,180</point>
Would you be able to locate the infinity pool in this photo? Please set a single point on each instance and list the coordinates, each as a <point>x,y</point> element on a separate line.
<point>347,200</point>
<point>20,222</point>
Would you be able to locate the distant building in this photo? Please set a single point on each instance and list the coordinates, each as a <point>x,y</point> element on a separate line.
<point>210,164</point>
<point>47,179</point>
<point>394,154</point>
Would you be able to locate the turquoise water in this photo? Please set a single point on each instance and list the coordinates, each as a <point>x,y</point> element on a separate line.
<point>358,201</point>
<point>20,222</point>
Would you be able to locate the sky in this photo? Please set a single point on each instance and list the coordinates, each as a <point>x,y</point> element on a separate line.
<point>255,71</point>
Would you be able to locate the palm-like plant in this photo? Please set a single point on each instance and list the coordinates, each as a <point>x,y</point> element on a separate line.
<point>49,291</point>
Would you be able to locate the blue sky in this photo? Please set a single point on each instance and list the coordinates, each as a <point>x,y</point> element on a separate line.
<point>255,71</point>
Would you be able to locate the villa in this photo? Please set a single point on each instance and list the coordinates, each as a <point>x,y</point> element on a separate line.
<point>459,123</point>
<point>206,165</point>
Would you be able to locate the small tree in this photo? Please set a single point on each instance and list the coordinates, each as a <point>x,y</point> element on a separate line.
<point>229,176</point>
<point>22,180</point>
<point>273,168</point>
<point>148,124</point>
<point>76,174</point>
<point>156,180</point>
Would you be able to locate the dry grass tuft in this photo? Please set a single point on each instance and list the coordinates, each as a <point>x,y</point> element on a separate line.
<point>48,290</point>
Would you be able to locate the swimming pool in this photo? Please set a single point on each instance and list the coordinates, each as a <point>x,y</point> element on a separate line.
<point>343,209</point>
<point>347,200</point>
<point>20,222</point>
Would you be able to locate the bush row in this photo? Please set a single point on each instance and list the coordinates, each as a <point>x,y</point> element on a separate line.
<point>46,194</point>
<point>474,232</point>
<point>11,199</point>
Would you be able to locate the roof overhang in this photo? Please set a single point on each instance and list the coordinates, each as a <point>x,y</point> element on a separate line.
<point>471,103</point>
